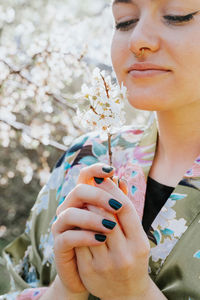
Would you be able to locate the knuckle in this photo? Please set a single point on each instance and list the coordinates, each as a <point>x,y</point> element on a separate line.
<point>69,211</point>
<point>125,264</point>
<point>143,250</point>
<point>101,194</point>
<point>86,271</point>
<point>128,206</point>
<point>65,239</point>
<point>77,190</point>
<point>112,187</point>
<point>53,228</point>
<point>129,209</point>
<point>102,268</point>
<point>109,216</point>
<point>82,171</point>
<point>99,213</point>
<point>58,244</point>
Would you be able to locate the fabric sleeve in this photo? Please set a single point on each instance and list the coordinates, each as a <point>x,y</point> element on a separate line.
<point>29,259</point>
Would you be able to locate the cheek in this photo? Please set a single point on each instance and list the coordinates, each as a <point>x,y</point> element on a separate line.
<point>119,56</point>
<point>183,50</point>
<point>187,61</point>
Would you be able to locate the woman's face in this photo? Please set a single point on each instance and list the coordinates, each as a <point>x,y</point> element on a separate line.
<point>170,42</point>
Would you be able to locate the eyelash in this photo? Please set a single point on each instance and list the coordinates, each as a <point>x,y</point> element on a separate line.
<point>125,26</point>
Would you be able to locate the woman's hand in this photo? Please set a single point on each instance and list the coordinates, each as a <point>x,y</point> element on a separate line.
<point>117,269</point>
<point>76,227</point>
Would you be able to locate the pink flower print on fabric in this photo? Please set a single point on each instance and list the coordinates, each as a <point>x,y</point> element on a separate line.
<point>143,155</point>
<point>131,136</point>
<point>136,185</point>
<point>195,170</point>
<point>32,294</point>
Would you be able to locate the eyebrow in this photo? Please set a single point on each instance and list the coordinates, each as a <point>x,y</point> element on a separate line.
<point>122,1</point>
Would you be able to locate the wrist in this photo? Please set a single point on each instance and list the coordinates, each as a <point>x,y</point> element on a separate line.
<point>151,292</point>
<point>60,289</point>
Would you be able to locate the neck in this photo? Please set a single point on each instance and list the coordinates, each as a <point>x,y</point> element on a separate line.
<point>179,133</point>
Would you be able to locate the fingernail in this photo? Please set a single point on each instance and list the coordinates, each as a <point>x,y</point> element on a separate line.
<point>100,237</point>
<point>107,169</point>
<point>98,180</point>
<point>108,224</point>
<point>115,204</point>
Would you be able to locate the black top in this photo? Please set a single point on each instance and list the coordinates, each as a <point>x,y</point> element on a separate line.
<point>156,196</point>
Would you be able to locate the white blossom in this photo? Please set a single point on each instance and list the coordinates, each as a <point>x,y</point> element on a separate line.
<point>48,48</point>
<point>105,104</point>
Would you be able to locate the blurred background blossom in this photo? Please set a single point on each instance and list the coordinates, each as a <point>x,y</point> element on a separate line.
<point>48,49</point>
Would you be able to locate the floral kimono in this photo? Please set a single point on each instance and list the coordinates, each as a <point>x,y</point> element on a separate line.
<point>174,236</point>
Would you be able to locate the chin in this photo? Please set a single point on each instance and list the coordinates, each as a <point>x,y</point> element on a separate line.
<point>148,104</point>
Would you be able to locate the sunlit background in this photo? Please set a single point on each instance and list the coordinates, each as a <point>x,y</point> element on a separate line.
<point>48,48</point>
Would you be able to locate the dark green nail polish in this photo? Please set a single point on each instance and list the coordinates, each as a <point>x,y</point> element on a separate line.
<point>114,204</point>
<point>108,224</point>
<point>107,169</point>
<point>98,180</point>
<point>100,237</point>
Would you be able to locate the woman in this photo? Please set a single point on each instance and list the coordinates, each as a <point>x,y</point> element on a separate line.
<point>100,245</point>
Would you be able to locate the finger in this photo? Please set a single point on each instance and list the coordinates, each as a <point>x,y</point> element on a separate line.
<point>85,265</point>
<point>115,179</point>
<point>123,185</point>
<point>70,239</point>
<point>83,256</point>
<point>98,170</point>
<point>84,219</point>
<point>127,215</point>
<point>99,251</point>
<point>115,240</point>
<point>84,193</point>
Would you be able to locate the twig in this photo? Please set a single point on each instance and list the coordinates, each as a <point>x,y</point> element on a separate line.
<point>109,148</point>
<point>24,128</point>
<point>106,86</point>
<point>56,98</point>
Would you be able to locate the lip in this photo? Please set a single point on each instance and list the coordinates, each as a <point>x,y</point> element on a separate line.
<point>147,70</point>
<point>147,66</point>
<point>147,73</point>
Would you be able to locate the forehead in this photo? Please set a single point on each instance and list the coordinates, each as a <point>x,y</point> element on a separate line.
<point>196,2</point>
<point>124,1</point>
<point>155,1</point>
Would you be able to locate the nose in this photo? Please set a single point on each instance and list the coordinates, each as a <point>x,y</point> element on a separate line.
<point>144,36</point>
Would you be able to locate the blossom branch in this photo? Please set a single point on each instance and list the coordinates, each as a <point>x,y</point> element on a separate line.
<point>24,128</point>
<point>56,98</point>
<point>105,110</point>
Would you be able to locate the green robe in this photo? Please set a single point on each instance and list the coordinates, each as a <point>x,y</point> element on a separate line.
<point>174,263</point>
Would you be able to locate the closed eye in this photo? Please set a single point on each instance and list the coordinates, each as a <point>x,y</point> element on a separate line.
<point>127,25</point>
<point>179,19</point>
<point>124,26</point>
